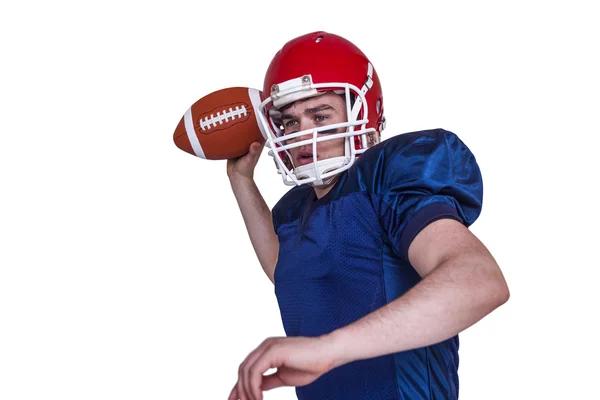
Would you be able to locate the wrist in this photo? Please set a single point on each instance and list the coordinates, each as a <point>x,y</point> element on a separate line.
<point>239,179</point>
<point>337,347</point>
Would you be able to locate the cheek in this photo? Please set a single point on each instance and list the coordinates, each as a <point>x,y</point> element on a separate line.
<point>293,151</point>
<point>331,148</point>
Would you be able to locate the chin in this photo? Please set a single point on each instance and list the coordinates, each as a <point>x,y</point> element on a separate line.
<point>328,183</point>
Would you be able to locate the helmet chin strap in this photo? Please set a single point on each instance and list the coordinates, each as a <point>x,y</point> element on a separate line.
<point>324,166</point>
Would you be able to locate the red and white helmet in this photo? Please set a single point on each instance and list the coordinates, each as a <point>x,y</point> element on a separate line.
<point>307,66</point>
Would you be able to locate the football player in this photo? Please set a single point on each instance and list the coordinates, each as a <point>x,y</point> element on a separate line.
<point>375,269</point>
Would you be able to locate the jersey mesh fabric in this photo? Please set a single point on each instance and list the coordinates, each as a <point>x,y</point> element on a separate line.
<point>345,255</point>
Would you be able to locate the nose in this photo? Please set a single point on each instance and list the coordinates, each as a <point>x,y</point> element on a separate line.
<point>306,123</point>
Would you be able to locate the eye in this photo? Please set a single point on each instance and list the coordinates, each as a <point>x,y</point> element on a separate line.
<point>320,118</point>
<point>289,126</point>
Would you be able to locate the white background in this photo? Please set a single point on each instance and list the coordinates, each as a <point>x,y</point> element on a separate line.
<point>126,271</point>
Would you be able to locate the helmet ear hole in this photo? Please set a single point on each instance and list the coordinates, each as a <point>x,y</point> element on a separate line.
<point>378,105</point>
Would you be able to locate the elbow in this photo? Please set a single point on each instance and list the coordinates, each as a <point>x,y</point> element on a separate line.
<point>503,294</point>
<point>498,292</point>
<point>494,286</point>
<point>490,288</point>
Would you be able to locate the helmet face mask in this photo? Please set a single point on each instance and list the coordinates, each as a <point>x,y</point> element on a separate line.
<point>359,132</point>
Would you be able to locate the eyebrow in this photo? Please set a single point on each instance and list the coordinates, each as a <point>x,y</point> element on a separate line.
<point>320,107</point>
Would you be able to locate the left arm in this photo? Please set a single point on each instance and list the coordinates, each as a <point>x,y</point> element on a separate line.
<point>461,284</point>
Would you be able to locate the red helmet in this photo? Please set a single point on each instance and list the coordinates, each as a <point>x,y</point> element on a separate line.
<point>308,66</point>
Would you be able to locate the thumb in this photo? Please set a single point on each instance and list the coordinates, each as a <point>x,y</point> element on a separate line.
<point>271,382</point>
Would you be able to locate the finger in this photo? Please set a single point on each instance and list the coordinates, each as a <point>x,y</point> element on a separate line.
<point>248,363</point>
<point>234,393</point>
<point>255,383</point>
<point>241,385</point>
<point>240,391</point>
<point>261,365</point>
<point>255,151</point>
<point>254,147</point>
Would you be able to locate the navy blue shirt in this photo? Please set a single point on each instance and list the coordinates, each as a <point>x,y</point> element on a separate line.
<point>345,255</point>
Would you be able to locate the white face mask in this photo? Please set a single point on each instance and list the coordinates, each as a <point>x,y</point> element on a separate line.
<point>320,172</point>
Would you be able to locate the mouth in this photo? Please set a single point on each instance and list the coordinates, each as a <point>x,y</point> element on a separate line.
<point>304,158</point>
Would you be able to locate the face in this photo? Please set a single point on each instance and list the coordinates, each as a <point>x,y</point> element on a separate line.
<point>315,112</point>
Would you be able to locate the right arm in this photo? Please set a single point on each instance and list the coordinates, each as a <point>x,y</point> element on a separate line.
<point>255,211</point>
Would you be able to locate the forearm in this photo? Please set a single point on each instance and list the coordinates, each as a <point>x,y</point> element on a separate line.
<point>453,297</point>
<point>259,223</point>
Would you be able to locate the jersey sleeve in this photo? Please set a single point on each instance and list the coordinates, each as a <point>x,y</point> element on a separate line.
<point>435,176</point>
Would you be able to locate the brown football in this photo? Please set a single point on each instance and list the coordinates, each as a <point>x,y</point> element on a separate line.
<point>221,125</point>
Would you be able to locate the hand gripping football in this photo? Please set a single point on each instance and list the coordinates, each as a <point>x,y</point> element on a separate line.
<point>221,125</point>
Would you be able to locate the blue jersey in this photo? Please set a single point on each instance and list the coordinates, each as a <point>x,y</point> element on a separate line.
<point>345,255</point>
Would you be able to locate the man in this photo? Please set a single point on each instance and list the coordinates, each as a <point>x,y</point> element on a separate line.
<point>375,269</point>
